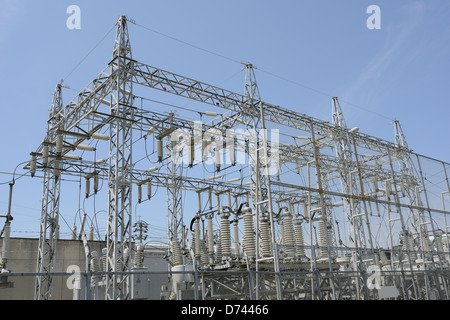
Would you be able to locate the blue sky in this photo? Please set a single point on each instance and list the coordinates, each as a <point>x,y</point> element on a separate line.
<point>305,51</point>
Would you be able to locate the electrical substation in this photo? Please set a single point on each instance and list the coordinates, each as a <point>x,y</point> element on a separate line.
<point>263,203</point>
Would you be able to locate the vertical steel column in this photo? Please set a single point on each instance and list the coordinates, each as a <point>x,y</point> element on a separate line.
<point>363,196</point>
<point>259,170</point>
<point>352,207</point>
<point>344,154</point>
<point>120,168</point>
<point>324,216</point>
<point>406,167</point>
<point>403,228</point>
<point>50,206</point>
<point>174,200</point>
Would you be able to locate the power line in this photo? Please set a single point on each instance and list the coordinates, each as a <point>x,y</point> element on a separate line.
<point>264,71</point>
<point>324,93</point>
<point>88,54</point>
<point>186,43</point>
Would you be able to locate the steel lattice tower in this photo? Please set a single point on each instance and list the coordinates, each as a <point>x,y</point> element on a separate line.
<point>50,201</point>
<point>120,166</point>
<point>259,165</point>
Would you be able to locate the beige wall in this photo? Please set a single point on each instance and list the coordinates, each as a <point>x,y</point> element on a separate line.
<point>23,257</point>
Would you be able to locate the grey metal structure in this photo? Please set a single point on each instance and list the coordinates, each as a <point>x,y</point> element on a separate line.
<point>346,190</point>
<point>259,164</point>
<point>51,148</point>
<point>119,166</point>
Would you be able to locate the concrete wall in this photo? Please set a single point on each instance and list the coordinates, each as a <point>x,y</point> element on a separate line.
<point>23,259</point>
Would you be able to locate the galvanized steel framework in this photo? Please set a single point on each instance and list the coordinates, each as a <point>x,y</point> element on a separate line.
<point>50,203</point>
<point>336,179</point>
<point>119,166</point>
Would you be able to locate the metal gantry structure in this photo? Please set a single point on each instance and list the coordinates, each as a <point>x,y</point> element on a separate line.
<point>374,212</point>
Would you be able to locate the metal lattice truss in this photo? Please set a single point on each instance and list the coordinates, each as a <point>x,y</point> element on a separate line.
<point>327,176</point>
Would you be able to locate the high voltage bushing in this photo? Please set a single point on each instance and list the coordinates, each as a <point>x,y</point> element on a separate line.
<point>159,149</point>
<point>93,175</point>
<point>324,232</point>
<point>6,243</point>
<point>287,232</point>
<point>126,257</point>
<point>139,256</point>
<point>218,253</point>
<point>104,260</point>
<point>236,238</point>
<point>95,266</point>
<point>139,193</point>
<point>198,243</point>
<point>58,150</point>
<point>59,144</point>
<point>139,185</point>
<point>210,235</point>
<point>91,233</point>
<point>33,165</point>
<point>197,246</point>
<point>45,153</point>
<point>249,234</point>
<point>88,185</point>
<point>204,260</point>
<point>177,257</point>
<point>225,235</point>
<point>299,240</point>
<point>265,236</point>
<point>218,158</point>
<point>322,239</point>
